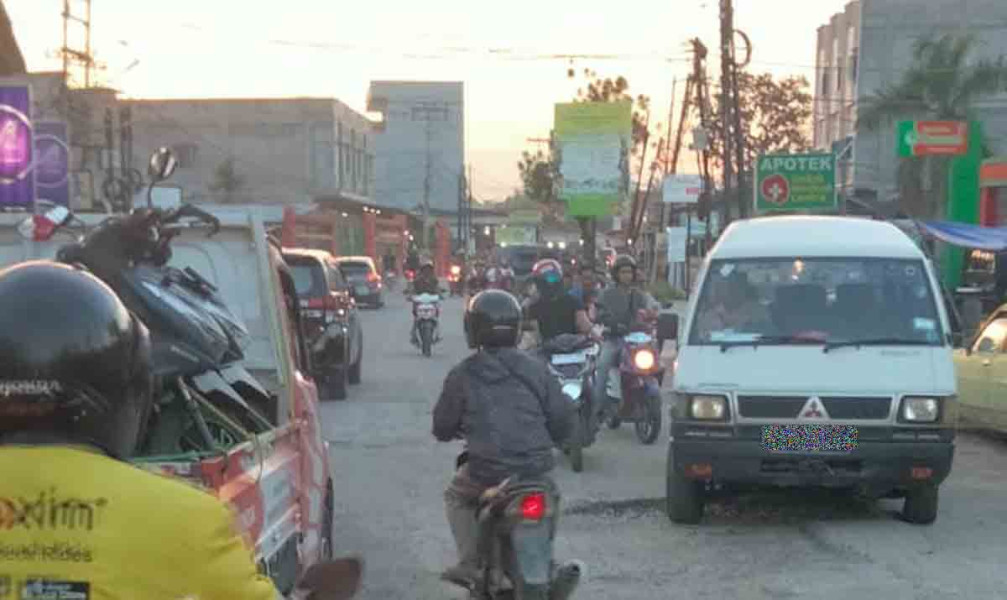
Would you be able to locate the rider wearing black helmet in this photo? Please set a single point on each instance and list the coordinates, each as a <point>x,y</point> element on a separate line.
<point>555,311</point>
<point>619,309</point>
<point>75,392</point>
<point>506,406</point>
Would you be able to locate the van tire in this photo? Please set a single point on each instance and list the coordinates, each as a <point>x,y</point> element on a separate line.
<point>684,498</point>
<point>920,506</point>
<point>355,370</point>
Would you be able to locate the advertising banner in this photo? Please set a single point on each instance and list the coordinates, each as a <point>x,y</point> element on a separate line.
<point>594,138</point>
<point>17,179</point>
<point>52,162</point>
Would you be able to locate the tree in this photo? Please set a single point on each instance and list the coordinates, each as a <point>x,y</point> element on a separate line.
<point>775,117</point>
<point>617,90</point>
<point>227,180</point>
<point>943,83</point>
<point>538,176</point>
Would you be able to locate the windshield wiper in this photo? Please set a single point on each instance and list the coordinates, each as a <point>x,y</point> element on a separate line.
<point>771,340</point>
<point>883,341</point>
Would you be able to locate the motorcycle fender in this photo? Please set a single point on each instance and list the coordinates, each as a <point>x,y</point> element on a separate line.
<point>237,373</point>
<point>532,544</point>
<point>211,381</point>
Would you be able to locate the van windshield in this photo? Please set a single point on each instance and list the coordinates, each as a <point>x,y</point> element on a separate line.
<point>830,300</point>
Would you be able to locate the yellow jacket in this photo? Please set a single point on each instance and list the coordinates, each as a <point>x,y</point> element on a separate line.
<point>77,524</point>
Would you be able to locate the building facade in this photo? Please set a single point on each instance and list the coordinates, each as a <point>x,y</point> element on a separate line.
<point>868,47</point>
<point>276,151</point>
<point>419,144</point>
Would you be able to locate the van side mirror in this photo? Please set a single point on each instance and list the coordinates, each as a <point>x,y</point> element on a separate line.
<point>667,327</point>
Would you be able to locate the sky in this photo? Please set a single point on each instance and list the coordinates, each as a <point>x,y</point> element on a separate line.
<point>504,52</point>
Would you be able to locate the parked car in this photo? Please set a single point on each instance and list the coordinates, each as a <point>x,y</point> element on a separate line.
<point>331,322</point>
<point>365,283</point>
<point>981,367</point>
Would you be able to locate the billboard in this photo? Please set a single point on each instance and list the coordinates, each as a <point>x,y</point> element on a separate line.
<point>52,162</point>
<point>682,189</point>
<point>795,182</point>
<point>17,178</point>
<point>593,138</point>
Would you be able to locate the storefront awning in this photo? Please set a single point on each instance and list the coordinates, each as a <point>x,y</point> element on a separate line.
<point>965,235</point>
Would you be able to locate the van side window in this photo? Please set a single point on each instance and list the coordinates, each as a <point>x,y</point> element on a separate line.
<point>992,338</point>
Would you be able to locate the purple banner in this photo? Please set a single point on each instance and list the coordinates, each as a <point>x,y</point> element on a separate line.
<point>52,162</point>
<point>17,180</point>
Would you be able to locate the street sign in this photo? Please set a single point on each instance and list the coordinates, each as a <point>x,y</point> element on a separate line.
<point>682,189</point>
<point>928,138</point>
<point>798,182</point>
<point>17,179</point>
<point>676,243</point>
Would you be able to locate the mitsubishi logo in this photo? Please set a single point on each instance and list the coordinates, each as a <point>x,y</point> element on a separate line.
<point>813,409</point>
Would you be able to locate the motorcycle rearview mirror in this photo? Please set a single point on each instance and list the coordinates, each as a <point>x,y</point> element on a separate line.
<point>162,164</point>
<point>332,580</point>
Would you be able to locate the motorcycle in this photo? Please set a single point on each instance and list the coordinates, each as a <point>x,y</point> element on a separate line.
<point>426,313</point>
<point>636,385</point>
<point>571,359</point>
<point>456,281</point>
<point>197,342</point>
<point>516,526</point>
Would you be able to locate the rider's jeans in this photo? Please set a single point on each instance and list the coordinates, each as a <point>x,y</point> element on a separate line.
<point>461,500</point>
<point>608,359</point>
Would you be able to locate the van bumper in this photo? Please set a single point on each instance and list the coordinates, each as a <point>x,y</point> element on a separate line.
<point>876,466</point>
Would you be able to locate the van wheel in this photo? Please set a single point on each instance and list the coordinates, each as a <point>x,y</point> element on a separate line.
<point>336,383</point>
<point>920,506</point>
<point>684,498</point>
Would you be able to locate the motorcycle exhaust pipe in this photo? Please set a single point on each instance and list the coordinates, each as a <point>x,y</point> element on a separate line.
<point>568,577</point>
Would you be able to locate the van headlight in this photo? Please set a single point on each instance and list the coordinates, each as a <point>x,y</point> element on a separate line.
<point>708,408</point>
<point>920,409</point>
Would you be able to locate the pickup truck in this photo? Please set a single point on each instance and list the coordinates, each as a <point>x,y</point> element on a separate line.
<point>273,469</point>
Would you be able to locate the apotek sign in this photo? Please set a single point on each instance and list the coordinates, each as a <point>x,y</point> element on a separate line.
<point>795,182</point>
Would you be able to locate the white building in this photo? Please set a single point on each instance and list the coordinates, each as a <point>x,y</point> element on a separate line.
<point>420,144</point>
<point>869,46</point>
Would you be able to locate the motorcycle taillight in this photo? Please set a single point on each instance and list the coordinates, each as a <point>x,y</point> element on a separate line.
<point>533,507</point>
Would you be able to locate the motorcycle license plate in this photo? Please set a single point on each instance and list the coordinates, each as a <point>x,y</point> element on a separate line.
<point>569,359</point>
<point>426,312</point>
<point>362,290</point>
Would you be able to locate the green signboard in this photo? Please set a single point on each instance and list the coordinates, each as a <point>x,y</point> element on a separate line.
<point>926,138</point>
<point>593,138</point>
<point>795,182</point>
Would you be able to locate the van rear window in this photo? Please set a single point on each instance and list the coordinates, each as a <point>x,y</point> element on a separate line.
<point>817,299</point>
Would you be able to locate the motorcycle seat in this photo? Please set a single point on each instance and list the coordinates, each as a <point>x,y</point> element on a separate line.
<point>567,343</point>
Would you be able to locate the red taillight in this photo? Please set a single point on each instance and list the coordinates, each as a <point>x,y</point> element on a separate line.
<point>533,507</point>
<point>316,303</point>
<point>410,274</point>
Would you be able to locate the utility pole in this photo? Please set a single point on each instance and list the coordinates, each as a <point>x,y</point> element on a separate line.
<point>727,98</point>
<point>77,57</point>
<point>426,189</point>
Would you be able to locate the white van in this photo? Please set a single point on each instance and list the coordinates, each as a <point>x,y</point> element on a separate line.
<point>817,352</point>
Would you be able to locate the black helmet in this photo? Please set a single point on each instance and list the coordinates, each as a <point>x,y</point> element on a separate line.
<point>493,319</point>
<point>623,260</point>
<point>74,362</point>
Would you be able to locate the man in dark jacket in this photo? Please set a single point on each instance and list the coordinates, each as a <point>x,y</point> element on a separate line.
<point>509,410</point>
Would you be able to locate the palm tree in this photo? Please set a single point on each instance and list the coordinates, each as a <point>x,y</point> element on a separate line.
<point>942,84</point>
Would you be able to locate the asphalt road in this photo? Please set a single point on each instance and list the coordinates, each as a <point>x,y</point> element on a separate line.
<point>390,474</point>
